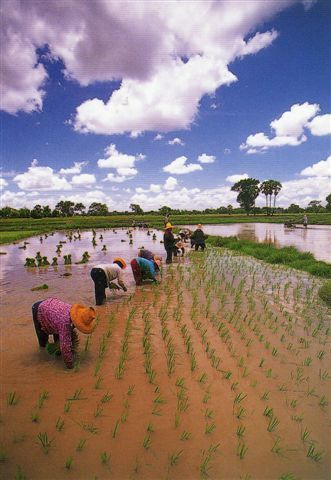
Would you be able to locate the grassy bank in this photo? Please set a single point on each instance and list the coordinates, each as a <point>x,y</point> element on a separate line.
<point>288,256</point>
<point>12,229</point>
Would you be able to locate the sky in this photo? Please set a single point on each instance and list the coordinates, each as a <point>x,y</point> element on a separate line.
<point>164,102</point>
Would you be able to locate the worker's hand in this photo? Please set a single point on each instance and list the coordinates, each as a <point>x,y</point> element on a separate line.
<point>124,288</point>
<point>113,286</point>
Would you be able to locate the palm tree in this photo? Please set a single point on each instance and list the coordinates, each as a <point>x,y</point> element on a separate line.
<point>267,190</point>
<point>276,188</point>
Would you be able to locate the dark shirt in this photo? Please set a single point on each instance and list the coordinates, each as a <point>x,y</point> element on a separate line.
<point>198,236</point>
<point>146,254</point>
<point>168,239</point>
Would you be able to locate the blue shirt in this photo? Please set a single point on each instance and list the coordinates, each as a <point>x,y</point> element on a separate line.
<point>147,267</point>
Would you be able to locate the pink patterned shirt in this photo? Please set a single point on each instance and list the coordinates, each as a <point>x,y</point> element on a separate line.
<point>54,317</point>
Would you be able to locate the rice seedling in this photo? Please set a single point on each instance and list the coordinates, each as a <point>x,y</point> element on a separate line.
<point>324,374</point>
<point>35,417</point>
<point>59,424</point>
<point>240,431</point>
<point>276,448</point>
<point>131,389</point>
<point>67,406</point>
<point>98,382</point>
<point>98,411</point>
<point>174,457</point>
<point>210,427</point>
<point>159,399</point>
<point>297,418</point>
<point>314,454</point>
<point>234,386</point>
<point>203,378</point>
<point>241,450</point>
<point>150,428</point>
<point>185,435</point>
<point>239,398</point>
<point>265,396</point>
<point>305,434</point>
<point>19,475</point>
<point>68,463</point>
<point>206,397</point>
<point>323,402</point>
<point>12,398</point>
<point>115,430</point>
<point>320,355</point>
<point>147,442</point>
<point>44,441</point>
<point>156,411</point>
<point>288,476</point>
<point>42,397</point>
<point>89,427</point>
<point>273,423</point>
<point>105,458</point>
<point>240,413</point>
<point>3,456</point>
<point>80,445</point>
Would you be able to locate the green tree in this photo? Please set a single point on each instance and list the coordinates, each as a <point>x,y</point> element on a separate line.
<point>47,212</point>
<point>248,190</point>
<point>79,208</point>
<point>328,202</point>
<point>24,213</point>
<point>314,206</point>
<point>8,212</point>
<point>65,208</point>
<point>164,210</point>
<point>37,212</point>
<point>98,209</point>
<point>267,190</point>
<point>294,208</point>
<point>136,209</point>
<point>229,209</point>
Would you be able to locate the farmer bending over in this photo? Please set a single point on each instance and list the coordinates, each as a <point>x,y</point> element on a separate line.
<point>143,253</point>
<point>199,237</point>
<point>145,270</point>
<point>54,317</point>
<point>103,276</point>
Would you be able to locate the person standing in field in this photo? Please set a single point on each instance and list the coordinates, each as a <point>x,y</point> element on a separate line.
<point>199,237</point>
<point>169,242</point>
<point>305,221</point>
<point>60,319</point>
<point>145,270</point>
<point>105,275</point>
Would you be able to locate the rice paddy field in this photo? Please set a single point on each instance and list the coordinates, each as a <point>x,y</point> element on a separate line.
<point>221,371</point>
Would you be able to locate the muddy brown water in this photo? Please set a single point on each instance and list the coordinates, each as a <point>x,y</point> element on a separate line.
<point>252,338</point>
<point>315,239</point>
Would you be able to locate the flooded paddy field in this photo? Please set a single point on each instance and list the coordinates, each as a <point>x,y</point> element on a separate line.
<point>222,371</point>
<point>315,239</point>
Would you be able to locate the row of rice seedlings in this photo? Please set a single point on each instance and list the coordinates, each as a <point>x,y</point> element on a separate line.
<point>119,372</point>
<point>147,347</point>
<point>168,341</point>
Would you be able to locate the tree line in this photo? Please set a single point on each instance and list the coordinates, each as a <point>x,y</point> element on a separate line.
<point>248,190</point>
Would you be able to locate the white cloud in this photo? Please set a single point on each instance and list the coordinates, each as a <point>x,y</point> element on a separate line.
<point>158,137</point>
<point>179,167</point>
<point>111,177</point>
<point>236,178</point>
<point>41,178</point>
<point>89,197</point>
<point>258,42</point>
<point>319,169</point>
<point>204,158</point>
<point>171,183</point>
<point>303,190</point>
<point>3,182</point>
<point>85,179</point>
<point>288,129</point>
<point>176,141</point>
<point>320,125</point>
<point>75,169</point>
<point>123,164</point>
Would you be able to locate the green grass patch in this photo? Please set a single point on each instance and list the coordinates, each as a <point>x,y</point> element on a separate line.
<point>325,293</point>
<point>287,256</point>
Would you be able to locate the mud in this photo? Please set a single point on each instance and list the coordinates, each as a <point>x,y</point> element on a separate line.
<point>157,389</point>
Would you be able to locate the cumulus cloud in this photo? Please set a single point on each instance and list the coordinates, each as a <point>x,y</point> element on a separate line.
<point>171,183</point>
<point>176,141</point>
<point>288,129</point>
<point>204,158</point>
<point>151,43</point>
<point>237,177</point>
<point>41,178</point>
<point>320,125</point>
<point>158,137</point>
<point>123,163</point>
<point>319,169</point>
<point>85,179</point>
<point>179,167</point>
<point>3,182</point>
<point>75,169</point>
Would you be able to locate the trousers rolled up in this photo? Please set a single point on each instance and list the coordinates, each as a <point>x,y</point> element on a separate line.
<point>100,284</point>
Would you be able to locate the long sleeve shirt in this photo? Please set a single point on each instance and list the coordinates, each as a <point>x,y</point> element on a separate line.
<point>147,268</point>
<point>168,239</point>
<point>54,318</point>
<point>113,272</point>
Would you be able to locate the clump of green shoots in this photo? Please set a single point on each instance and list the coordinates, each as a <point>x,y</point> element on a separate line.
<point>44,441</point>
<point>12,398</point>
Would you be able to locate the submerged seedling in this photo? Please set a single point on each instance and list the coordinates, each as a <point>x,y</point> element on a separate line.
<point>68,463</point>
<point>174,457</point>
<point>12,398</point>
<point>105,457</point>
<point>80,445</point>
<point>44,441</point>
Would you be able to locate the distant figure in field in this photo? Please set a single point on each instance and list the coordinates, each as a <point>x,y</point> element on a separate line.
<point>305,221</point>
<point>169,242</point>
<point>199,237</point>
<point>105,275</point>
<point>145,270</point>
<point>54,317</point>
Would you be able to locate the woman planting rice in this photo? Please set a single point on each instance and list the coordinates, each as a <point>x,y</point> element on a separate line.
<point>103,276</point>
<point>54,317</point>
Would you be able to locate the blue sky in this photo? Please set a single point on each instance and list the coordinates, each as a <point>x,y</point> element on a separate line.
<point>164,103</point>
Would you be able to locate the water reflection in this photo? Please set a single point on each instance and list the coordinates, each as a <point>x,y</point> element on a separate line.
<point>315,239</point>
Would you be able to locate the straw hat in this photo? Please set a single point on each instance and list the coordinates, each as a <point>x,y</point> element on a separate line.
<point>83,318</point>
<point>199,226</point>
<point>157,258</point>
<point>168,225</point>
<point>121,261</point>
